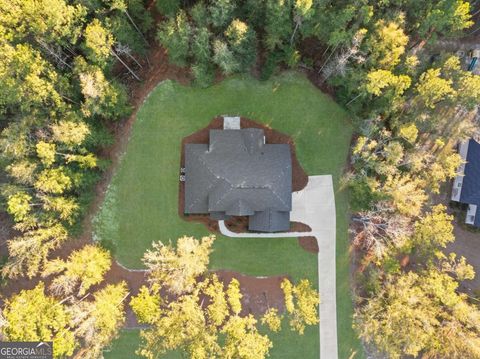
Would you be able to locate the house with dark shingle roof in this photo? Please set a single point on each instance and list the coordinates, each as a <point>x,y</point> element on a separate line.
<point>238,174</point>
<point>466,186</point>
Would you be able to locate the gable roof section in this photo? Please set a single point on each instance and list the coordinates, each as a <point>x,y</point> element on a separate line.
<point>269,221</point>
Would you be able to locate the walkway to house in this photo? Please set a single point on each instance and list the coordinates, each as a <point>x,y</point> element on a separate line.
<point>315,206</point>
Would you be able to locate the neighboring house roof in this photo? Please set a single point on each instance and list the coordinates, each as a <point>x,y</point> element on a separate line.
<point>470,182</point>
<point>237,174</point>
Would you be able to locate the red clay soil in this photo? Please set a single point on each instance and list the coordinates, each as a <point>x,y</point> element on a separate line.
<point>299,177</point>
<point>310,244</point>
<point>259,293</point>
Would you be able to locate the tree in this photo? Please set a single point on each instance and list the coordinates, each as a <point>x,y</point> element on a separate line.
<point>201,49</point>
<point>22,171</point>
<point>98,322</point>
<point>98,42</point>
<point>221,12</point>
<point>380,231</point>
<point>445,17</point>
<point>28,81</point>
<point>443,166</point>
<point>175,35</point>
<point>135,9</point>
<point>278,24</point>
<point>51,20</point>
<point>178,268</point>
<point>53,181</point>
<point>234,296</point>
<point>420,313</point>
<point>146,304</point>
<point>46,152</point>
<point>225,58</point>
<point>272,320</point>
<point>241,41</point>
<point>180,325</point>
<point>83,269</point>
<point>33,316</point>
<point>69,133</point>
<point>243,339</point>
<point>409,132</point>
<point>379,80</point>
<point>387,45</point>
<point>301,302</point>
<point>98,45</point>
<point>19,206</point>
<point>406,193</point>
<point>168,7</point>
<point>302,10</point>
<point>28,252</point>
<point>432,88</point>
<point>203,74</point>
<point>66,208</point>
<point>100,97</point>
<point>464,82</point>
<point>202,70</point>
<point>433,232</point>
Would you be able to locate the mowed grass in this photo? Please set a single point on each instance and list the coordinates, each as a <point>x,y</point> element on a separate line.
<point>141,202</point>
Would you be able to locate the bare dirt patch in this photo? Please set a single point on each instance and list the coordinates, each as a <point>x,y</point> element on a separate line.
<point>467,244</point>
<point>259,293</point>
<point>299,177</point>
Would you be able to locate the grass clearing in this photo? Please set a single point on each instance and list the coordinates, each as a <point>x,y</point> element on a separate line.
<point>141,202</point>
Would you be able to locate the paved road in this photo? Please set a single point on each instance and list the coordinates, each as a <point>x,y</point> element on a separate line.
<point>315,206</point>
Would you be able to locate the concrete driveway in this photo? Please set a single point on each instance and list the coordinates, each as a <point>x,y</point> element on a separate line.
<point>315,206</point>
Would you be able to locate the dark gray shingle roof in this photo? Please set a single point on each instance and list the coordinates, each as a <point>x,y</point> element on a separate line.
<point>471,182</point>
<point>240,175</point>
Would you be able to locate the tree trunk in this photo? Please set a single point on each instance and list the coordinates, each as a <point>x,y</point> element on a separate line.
<point>328,58</point>
<point>297,24</point>
<point>134,59</point>
<point>45,46</point>
<point>353,99</point>
<point>135,26</point>
<point>125,65</point>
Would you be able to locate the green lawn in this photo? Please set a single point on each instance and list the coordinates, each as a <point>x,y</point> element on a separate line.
<point>141,202</point>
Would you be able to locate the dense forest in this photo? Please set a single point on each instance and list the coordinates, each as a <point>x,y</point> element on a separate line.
<point>67,68</point>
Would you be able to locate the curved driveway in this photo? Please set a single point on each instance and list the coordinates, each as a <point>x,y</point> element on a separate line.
<point>315,206</point>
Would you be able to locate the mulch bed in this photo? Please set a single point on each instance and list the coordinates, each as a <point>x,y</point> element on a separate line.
<point>240,225</point>
<point>309,244</point>
<point>299,177</point>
